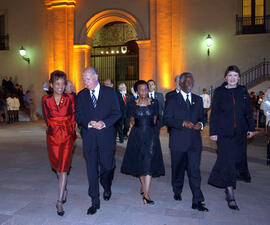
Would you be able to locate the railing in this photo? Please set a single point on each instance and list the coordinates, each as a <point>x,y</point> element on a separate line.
<point>249,78</point>
<point>4,42</point>
<point>252,25</point>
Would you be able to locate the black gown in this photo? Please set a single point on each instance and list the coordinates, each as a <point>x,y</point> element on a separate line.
<point>143,154</point>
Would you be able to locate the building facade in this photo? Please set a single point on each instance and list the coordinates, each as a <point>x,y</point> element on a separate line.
<point>170,36</point>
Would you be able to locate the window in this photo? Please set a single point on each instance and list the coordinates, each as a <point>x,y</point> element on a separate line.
<point>254,19</point>
<point>253,12</point>
<point>3,31</point>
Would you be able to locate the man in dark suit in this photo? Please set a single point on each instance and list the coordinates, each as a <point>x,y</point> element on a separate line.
<point>184,116</point>
<point>176,91</point>
<point>97,110</point>
<point>123,123</point>
<point>159,96</point>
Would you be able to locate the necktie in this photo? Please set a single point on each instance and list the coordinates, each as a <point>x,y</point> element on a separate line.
<point>188,102</point>
<point>94,100</point>
<point>151,95</point>
<point>125,100</point>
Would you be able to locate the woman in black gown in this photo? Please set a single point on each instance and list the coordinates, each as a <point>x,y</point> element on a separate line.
<point>231,122</point>
<point>143,156</point>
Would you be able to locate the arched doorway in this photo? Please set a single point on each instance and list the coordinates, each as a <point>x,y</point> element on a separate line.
<point>86,49</point>
<point>115,54</point>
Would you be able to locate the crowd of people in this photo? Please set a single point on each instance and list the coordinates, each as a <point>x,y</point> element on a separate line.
<point>12,99</point>
<point>101,113</point>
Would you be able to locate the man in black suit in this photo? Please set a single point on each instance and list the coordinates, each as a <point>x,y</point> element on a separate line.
<point>123,123</point>
<point>159,96</point>
<point>176,90</point>
<point>97,110</point>
<point>184,116</point>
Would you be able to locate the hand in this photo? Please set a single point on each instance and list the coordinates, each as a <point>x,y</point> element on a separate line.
<point>100,125</point>
<point>92,124</point>
<point>250,134</point>
<point>197,126</point>
<point>214,137</point>
<point>188,124</point>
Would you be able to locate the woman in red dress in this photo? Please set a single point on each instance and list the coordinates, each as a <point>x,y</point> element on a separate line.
<point>58,111</point>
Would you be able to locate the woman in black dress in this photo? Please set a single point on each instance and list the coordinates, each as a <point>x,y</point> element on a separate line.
<point>143,156</point>
<point>231,122</point>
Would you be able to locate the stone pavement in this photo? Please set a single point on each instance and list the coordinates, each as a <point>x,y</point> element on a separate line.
<point>28,188</point>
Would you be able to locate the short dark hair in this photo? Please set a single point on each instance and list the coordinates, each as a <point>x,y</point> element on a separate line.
<point>233,68</point>
<point>57,74</point>
<point>139,82</point>
<point>183,75</point>
<point>151,81</point>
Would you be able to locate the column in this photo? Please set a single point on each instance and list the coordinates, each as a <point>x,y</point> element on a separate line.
<point>81,59</point>
<point>145,62</point>
<point>60,35</point>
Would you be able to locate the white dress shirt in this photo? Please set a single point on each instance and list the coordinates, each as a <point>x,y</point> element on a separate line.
<point>206,101</point>
<point>96,93</point>
<point>152,93</point>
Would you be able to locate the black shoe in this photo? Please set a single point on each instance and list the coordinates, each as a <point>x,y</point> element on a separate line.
<point>107,195</point>
<point>200,206</point>
<point>93,209</point>
<point>148,201</point>
<point>177,197</point>
<point>60,211</point>
<point>232,206</point>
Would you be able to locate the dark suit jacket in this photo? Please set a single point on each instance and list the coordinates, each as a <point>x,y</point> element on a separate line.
<point>107,110</point>
<point>175,113</point>
<point>161,106</point>
<point>171,94</point>
<point>123,106</point>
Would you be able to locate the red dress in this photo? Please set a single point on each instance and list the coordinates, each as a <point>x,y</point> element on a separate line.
<point>61,133</point>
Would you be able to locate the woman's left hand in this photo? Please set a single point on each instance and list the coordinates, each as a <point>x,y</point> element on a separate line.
<point>250,134</point>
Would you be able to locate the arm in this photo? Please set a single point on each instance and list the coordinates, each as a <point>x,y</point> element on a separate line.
<point>79,117</point>
<point>44,110</point>
<point>169,115</point>
<point>115,112</point>
<point>201,120</point>
<point>73,122</point>
<point>249,113</point>
<point>214,114</point>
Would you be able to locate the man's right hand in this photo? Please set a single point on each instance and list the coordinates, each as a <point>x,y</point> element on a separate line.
<point>188,124</point>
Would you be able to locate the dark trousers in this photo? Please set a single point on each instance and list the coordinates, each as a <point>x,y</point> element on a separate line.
<point>206,115</point>
<point>187,161</point>
<point>122,127</point>
<point>100,164</point>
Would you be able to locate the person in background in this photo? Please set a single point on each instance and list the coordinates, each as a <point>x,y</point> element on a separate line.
<point>253,100</point>
<point>16,108</point>
<point>265,106</point>
<point>206,104</point>
<point>261,117</point>
<point>122,124</point>
<point>70,88</point>
<point>143,155</point>
<point>10,107</point>
<point>153,94</point>
<point>58,111</point>
<point>231,123</point>
<point>176,90</point>
<point>108,83</point>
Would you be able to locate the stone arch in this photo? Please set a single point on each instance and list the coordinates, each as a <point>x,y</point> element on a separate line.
<point>100,19</point>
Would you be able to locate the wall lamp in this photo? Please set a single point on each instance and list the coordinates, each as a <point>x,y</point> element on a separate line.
<point>209,42</point>
<point>23,53</point>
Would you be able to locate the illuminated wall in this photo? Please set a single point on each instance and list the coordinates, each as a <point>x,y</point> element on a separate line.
<point>61,36</point>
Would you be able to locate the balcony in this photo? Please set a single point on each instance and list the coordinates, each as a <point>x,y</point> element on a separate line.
<point>252,25</point>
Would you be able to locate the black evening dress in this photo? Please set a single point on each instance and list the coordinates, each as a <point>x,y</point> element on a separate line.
<point>143,154</point>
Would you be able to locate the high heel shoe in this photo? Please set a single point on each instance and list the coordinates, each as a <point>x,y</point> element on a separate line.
<point>60,211</point>
<point>65,197</point>
<point>234,206</point>
<point>148,201</point>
